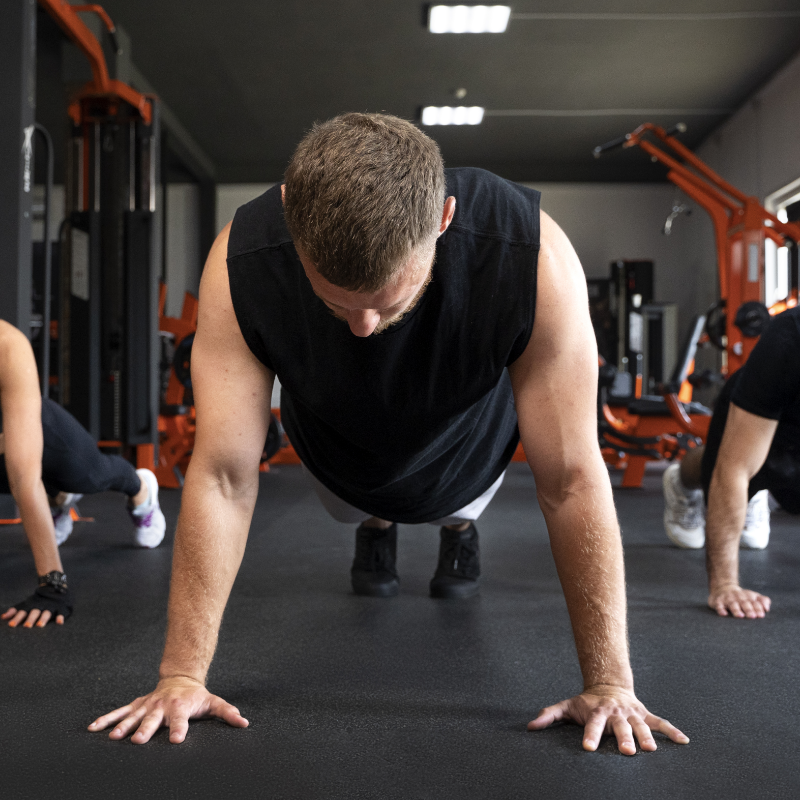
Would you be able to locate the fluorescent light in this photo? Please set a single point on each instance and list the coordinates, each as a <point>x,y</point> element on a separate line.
<point>468,19</point>
<point>448,115</point>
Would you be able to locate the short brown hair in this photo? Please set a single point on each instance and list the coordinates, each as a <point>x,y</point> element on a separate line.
<point>362,191</point>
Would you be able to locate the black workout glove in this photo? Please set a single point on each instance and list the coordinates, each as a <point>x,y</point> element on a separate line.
<point>52,595</point>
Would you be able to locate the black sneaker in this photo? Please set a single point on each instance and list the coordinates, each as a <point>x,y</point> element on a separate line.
<point>373,573</point>
<point>459,564</point>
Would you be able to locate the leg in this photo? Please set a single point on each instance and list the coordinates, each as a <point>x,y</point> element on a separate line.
<point>691,468</point>
<point>71,462</point>
<point>459,568</point>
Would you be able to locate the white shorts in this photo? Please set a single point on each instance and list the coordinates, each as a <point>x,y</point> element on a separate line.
<point>344,512</point>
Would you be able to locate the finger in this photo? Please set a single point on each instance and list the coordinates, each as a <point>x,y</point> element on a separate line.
<point>44,619</point>
<point>765,602</point>
<point>60,619</point>
<point>547,716</point>
<point>33,615</point>
<point>17,619</point>
<point>8,614</point>
<point>101,723</point>
<point>150,724</point>
<point>624,733</point>
<point>594,730</point>
<point>748,609</point>
<point>227,712</point>
<point>667,728</point>
<point>128,724</point>
<point>736,609</point>
<point>643,734</point>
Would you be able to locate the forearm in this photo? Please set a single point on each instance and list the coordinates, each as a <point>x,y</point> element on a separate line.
<point>587,549</point>
<point>209,544</point>
<point>37,521</point>
<point>727,509</point>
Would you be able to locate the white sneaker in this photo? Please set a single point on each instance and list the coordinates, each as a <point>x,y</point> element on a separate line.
<point>755,535</point>
<point>684,511</point>
<point>148,517</point>
<point>62,517</point>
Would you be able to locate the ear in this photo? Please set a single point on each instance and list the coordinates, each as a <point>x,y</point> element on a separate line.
<point>447,214</point>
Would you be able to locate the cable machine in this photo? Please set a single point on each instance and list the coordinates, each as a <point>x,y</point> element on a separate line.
<point>108,335</point>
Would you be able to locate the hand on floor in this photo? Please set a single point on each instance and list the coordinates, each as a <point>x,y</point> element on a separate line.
<point>609,709</point>
<point>173,703</point>
<point>738,602</point>
<point>16,617</point>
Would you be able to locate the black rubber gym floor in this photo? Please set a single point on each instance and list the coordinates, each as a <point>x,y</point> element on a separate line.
<point>408,698</point>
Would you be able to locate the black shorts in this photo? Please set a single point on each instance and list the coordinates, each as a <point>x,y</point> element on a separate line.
<point>71,461</point>
<point>780,472</point>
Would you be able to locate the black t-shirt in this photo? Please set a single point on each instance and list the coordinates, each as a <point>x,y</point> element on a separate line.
<point>413,423</point>
<point>769,385</point>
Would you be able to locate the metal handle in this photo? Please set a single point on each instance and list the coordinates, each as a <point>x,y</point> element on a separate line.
<point>614,143</point>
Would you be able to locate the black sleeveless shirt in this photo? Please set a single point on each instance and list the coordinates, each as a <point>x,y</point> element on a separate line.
<point>413,423</point>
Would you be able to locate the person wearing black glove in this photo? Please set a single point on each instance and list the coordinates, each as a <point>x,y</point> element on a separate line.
<point>46,451</point>
<point>22,447</point>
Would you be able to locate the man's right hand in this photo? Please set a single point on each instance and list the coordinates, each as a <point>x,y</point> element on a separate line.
<point>742,603</point>
<point>173,703</point>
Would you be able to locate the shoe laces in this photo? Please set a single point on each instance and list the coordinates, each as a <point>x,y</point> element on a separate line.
<point>374,551</point>
<point>459,555</point>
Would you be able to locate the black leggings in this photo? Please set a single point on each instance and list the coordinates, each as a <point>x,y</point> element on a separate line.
<point>71,461</point>
<point>781,471</point>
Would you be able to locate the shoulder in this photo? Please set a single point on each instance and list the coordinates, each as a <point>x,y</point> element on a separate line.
<point>489,205</point>
<point>258,224</point>
<point>15,350</point>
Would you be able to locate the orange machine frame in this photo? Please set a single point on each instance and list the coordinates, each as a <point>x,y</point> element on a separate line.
<point>741,224</point>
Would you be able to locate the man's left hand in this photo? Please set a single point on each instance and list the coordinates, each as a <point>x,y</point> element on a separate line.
<point>609,709</point>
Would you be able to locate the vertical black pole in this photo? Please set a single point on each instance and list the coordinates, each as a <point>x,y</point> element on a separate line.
<point>18,90</point>
<point>47,283</point>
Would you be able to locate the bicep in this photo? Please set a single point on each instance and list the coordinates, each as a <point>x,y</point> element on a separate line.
<point>232,389</point>
<point>746,441</point>
<point>555,379</point>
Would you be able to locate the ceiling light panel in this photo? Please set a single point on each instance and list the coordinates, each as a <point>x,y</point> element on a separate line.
<point>468,19</point>
<point>448,115</point>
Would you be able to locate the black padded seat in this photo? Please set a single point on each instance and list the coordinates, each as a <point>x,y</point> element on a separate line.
<point>651,405</point>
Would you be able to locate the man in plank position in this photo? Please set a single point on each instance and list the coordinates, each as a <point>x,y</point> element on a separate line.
<point>396,304</point>
<point>753,448</point>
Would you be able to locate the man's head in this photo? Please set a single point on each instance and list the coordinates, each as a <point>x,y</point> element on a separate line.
<point>364,200</point>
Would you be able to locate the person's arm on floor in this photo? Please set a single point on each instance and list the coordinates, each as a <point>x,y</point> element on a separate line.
<point>232,393</point>
<point>555,386</point>
<point>743,451</point>
<point>22,445</point>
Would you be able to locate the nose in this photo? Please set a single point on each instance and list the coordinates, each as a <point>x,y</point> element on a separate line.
<point>363,322</point>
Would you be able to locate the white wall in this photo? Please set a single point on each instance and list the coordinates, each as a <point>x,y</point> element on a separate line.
<point>232,195</point>
<point>184,261</point>
<point>610,221</point>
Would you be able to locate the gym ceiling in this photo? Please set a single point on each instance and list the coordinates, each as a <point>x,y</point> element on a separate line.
<point>248,77</point>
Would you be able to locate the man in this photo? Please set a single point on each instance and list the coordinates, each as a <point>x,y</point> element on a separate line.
<point>44,450</point>
<point>752,450</point>
<point>399,315</point>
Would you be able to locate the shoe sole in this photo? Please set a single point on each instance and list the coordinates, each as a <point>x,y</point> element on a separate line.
<point>681,543</point>
<point>455,591</point>
<point>391,589</point>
